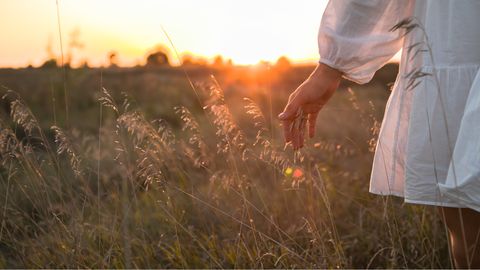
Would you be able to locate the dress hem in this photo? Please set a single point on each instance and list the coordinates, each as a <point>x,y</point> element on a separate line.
<point>406,200</point>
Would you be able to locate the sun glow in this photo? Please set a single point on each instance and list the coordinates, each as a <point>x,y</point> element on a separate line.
<point>244,31</point>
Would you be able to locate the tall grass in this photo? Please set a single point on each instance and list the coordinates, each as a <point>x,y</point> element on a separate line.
<point>211,194</point>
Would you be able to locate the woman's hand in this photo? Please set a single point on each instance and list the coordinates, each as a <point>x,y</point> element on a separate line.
<point>305,103</point>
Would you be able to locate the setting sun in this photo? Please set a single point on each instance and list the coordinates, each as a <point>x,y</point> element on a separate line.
<point>246,32</point>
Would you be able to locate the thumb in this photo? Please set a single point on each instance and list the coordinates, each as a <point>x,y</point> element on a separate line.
<point>290,111</point>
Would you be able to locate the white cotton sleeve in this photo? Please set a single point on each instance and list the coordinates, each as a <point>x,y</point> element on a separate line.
<point>355,37</point>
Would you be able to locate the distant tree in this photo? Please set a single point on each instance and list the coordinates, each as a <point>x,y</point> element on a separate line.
<point>84,64</point>
<point>218,62</point>
<point>50,63</point>
<point>159,57</point>
<point>283,64</point>
<point>112,59</point>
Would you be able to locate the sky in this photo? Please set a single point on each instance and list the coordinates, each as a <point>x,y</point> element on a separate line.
<point>246,31</point>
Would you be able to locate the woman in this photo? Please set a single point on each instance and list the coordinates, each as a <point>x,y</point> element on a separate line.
<point>428,149</point>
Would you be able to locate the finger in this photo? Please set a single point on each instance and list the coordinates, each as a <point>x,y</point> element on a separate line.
<point>293,133</point>
<point>287,130</point>
<point>290,111</point>
<point>303,126</point>
<point>298,129</point>
<point>295,137</point>
<point>312,121</point>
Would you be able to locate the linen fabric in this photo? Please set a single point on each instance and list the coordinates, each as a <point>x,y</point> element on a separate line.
<point>428,149</point>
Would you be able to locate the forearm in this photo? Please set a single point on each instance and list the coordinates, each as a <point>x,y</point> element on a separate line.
<point>323,71</point>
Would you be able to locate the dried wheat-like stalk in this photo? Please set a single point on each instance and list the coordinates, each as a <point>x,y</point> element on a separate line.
<point>146,149</point>
<point>230,135</point>
<point>198,150</point>
<point>152,146</point>
<point>9,145</point>
<point>268,152</point>
<point>65,145</point>
<point>107,100</point>
<point>21,114</point>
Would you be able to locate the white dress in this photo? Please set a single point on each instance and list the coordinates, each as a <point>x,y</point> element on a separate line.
<point>429,145</point>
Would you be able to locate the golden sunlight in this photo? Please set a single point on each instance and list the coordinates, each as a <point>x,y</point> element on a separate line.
<point>244,31</point>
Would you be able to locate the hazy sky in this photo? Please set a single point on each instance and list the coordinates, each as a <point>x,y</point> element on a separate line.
<point>246,31</point>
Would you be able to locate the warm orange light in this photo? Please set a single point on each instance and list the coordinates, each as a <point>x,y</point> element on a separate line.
<point>246,31</point>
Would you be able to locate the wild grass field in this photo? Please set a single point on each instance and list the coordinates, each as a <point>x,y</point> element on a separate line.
<point>173,168</point>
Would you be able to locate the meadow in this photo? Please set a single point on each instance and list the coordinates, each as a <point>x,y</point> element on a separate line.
<point>171,167</point>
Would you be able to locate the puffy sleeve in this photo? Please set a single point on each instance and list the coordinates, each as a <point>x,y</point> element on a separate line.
<point>355,36</point>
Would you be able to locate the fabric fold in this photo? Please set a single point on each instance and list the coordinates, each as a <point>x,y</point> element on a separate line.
<point>355,37</point>
<point>463,179</point>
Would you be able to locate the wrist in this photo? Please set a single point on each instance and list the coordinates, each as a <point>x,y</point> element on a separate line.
<point>325,70</point>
